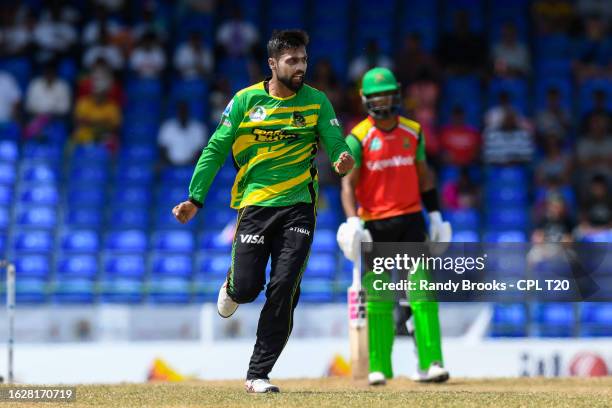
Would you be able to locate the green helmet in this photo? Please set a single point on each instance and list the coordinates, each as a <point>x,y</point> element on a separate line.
<point>375,81</point>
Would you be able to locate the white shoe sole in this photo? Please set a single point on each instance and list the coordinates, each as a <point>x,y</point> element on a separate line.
<point>223,298</point>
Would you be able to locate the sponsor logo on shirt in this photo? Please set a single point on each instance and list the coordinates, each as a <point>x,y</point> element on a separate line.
<point>334,122</point>
<point>298,120</point>
<point>300,230</point>
<point>395,161</point>
<point>263,135</point>
<point>228,108</point>
<point>257,114</point>
<point>227,123</point>
<point>406,143</point>
<point>251,239</point>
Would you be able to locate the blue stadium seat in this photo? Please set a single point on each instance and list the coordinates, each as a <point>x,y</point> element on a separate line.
<point>94,174</point>
<point>9,151</point>
<point>506,174</point>
<point>131,240</point>
<point>80,240</point>
<point>86,195</point>
<point>10,131</point>
<point>68,70</point>
<point>217,217</point>
<point>179,240</point>
<point>138,131</point>
<point>324,241</point>
<point>214,265</point>
<point>147,111</point>
<point>134,173</point>
<point>6,194</point>
<point>5,217</point>
<point>508,219</point>
<point>33,241</point>
<point>290,15</point>
<point>125,291</point>
<point>554,319</point>
<point>3,244</point>
<point>130,217</point>
<point>456,92</point>
<point>329,219</point>
<point>39,195</point>
<point>138,153</point>
<point>553,46</point>
<point>172,266</point>
<point>509,320</point>
<point>169,195</point>
<point>77,266</point>
<point>215,240</point>
<point>74,291</point>
<point>20,68</point>
<point>30,291</point>
<point>321,266</point>
<point>90,154</point>
<point>163,219</point>
<point>505,236</point>
<point>39,173</point>
<point>466,236</point>
<point>82,217</point>
<point>7,173</point>
<point>170,290</point>
<point>132,195</point>
<point>596,319</point>
<point>144,89</point>
<point>36,266</point>
<point>37,217</point>
<point>316,290</point>
<point>515,196</point>
<point>558,68</point>
<point>178,176</point>
<point>124,266</point>
<point>467,219</point>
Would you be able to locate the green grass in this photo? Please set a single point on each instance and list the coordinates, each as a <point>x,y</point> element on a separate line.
<point>524,392</point>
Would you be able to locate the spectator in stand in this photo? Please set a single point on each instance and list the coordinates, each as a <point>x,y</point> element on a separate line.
<point>48,96</point>
<point>182,139</point>
<point>593,58</point>
<point>596,208</point>
<point>599,109</point>
<point>237,37</point>
<point>193,59</point>
<point>220,95</point>
<point>556,164</point>
<point>104,49</point>
<point>462,193</point>
<point>595,148</point>
<point>92,32</point>
<point>17,34</point>
<point>151,22</point>
<point>496,114</point>
<point>509,143</point>
<point>372,57</point>
<point>555,225</point>
<point>413,59</point>
<point>460,141</point>
<point>10,98</point>
<point>510,56</point>
<point>588,8</point>
<point>55,37</point>
<point>325,80</point>
<point>148,59</point>
<point>97,118</point>
<point>101,76</point>
<point>553,119</point>
<point>462,51</point>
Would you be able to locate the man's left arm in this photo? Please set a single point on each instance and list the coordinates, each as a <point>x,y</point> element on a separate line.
<point>439,230</point>
<point>330,132</point>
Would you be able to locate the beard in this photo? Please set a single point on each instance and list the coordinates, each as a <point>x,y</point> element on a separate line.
<point>290,83</point>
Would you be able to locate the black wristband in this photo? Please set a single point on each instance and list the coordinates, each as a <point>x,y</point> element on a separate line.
<point>195,202</point>
<point>430,200</point>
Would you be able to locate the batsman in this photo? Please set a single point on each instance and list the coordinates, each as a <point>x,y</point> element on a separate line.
<point>383,196</point>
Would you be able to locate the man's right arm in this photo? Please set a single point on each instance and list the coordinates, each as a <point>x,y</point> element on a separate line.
<point>214,154</point>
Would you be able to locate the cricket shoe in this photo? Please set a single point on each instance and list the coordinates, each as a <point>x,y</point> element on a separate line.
<point>376,378</point>
<point>260,386</point>
<point>226,306</point>
<point>435,374</point>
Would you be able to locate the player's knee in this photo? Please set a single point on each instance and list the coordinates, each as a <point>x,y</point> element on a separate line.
<point>245,293</point>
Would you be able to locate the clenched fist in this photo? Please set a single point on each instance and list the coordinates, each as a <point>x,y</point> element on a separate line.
<point>184,211</point>
<point>344,164</point>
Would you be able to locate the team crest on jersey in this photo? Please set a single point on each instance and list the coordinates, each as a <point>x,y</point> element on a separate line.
<point>406,143</point>
<point>257,114</point>
<point>228,108</point>
<point>375,144</point>
<point>298,120</point>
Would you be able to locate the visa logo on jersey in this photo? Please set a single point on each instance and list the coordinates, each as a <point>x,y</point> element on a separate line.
<point>251,239</point>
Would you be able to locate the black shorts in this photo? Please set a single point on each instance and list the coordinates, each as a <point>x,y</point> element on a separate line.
<point>402,228</point>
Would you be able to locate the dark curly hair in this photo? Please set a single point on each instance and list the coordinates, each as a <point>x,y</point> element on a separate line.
<point>286,39</point>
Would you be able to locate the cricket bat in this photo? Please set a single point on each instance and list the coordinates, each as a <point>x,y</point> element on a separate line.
<point>358,325</point>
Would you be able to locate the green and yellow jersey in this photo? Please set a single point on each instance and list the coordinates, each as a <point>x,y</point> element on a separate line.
<point>273,143</point>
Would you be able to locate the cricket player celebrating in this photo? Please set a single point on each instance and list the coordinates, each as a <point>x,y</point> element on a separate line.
<point>272,129</point>
<point>390,181</point>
